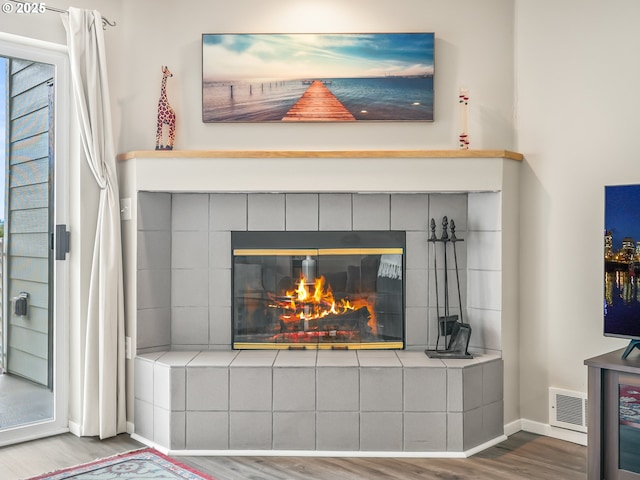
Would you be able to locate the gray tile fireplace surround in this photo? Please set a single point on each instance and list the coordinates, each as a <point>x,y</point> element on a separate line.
<point>192,392</point>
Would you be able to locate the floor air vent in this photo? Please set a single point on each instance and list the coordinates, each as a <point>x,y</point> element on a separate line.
<point>568,409</point>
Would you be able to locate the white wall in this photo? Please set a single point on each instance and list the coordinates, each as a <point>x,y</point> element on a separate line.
<point>577,127</point>
<point>474,49</point>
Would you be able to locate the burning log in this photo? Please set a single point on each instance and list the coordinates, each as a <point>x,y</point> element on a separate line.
<point>351,320</point>
<point>313,309</point>
<point>350,327</point>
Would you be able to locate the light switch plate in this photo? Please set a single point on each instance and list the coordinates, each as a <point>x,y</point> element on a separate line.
<point>125,209</point>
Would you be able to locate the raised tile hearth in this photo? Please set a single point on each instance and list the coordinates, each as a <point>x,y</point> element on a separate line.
<point>324,401</point>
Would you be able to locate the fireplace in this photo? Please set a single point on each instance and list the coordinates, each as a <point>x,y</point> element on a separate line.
<point>318,290</point>
<point>192,392</point>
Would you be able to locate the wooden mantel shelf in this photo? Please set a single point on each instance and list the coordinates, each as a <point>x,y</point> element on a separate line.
<point>321,154</point>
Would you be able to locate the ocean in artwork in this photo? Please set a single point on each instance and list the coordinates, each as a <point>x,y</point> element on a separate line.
<point>388,98</point>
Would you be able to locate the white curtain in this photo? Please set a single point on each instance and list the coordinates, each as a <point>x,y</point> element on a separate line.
<point>103,391</point>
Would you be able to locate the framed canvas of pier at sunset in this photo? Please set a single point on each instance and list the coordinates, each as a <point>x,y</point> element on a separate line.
<point>307,77</point>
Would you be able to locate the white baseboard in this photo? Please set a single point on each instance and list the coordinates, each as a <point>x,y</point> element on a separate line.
<point>513,427</point>
<point>484,446</point>
<point>149,443</point>
<point>74,428</point>
<point>318,453</point>
<point>548,431</point>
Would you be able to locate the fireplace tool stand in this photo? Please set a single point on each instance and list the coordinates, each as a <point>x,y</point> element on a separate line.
<point>455,333</point>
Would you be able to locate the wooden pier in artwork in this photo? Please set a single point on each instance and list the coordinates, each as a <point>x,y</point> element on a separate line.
<point>318,104</point>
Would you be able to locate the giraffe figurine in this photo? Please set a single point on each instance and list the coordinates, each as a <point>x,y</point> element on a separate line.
<point>166,115</point>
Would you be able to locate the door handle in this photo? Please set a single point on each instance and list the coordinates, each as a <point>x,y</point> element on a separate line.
<point>62,242</point>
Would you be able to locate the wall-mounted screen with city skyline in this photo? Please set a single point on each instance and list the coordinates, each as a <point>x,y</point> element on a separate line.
<point>622,261</point>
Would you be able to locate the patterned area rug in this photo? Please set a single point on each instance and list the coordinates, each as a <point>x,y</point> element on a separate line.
<point>146,464</point>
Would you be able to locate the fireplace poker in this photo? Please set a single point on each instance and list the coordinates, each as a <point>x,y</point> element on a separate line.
<point>433,239</point>
<point>461,334</point>
<point>445,239</point>
<point>454,240</point>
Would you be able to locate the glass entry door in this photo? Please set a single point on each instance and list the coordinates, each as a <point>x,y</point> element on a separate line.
<point>33,397</point>
<point>29,220</point>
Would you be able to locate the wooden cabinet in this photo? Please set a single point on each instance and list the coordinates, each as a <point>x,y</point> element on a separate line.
<point>614,417</point>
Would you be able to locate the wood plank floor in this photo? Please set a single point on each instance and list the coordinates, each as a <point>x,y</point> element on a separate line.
<point>46,455</point>
<point>524,456</point>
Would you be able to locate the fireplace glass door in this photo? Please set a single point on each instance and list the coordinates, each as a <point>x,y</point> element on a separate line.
<point>333,290</point>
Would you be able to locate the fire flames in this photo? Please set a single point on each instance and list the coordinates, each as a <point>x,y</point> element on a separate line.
<point>311,303</point>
